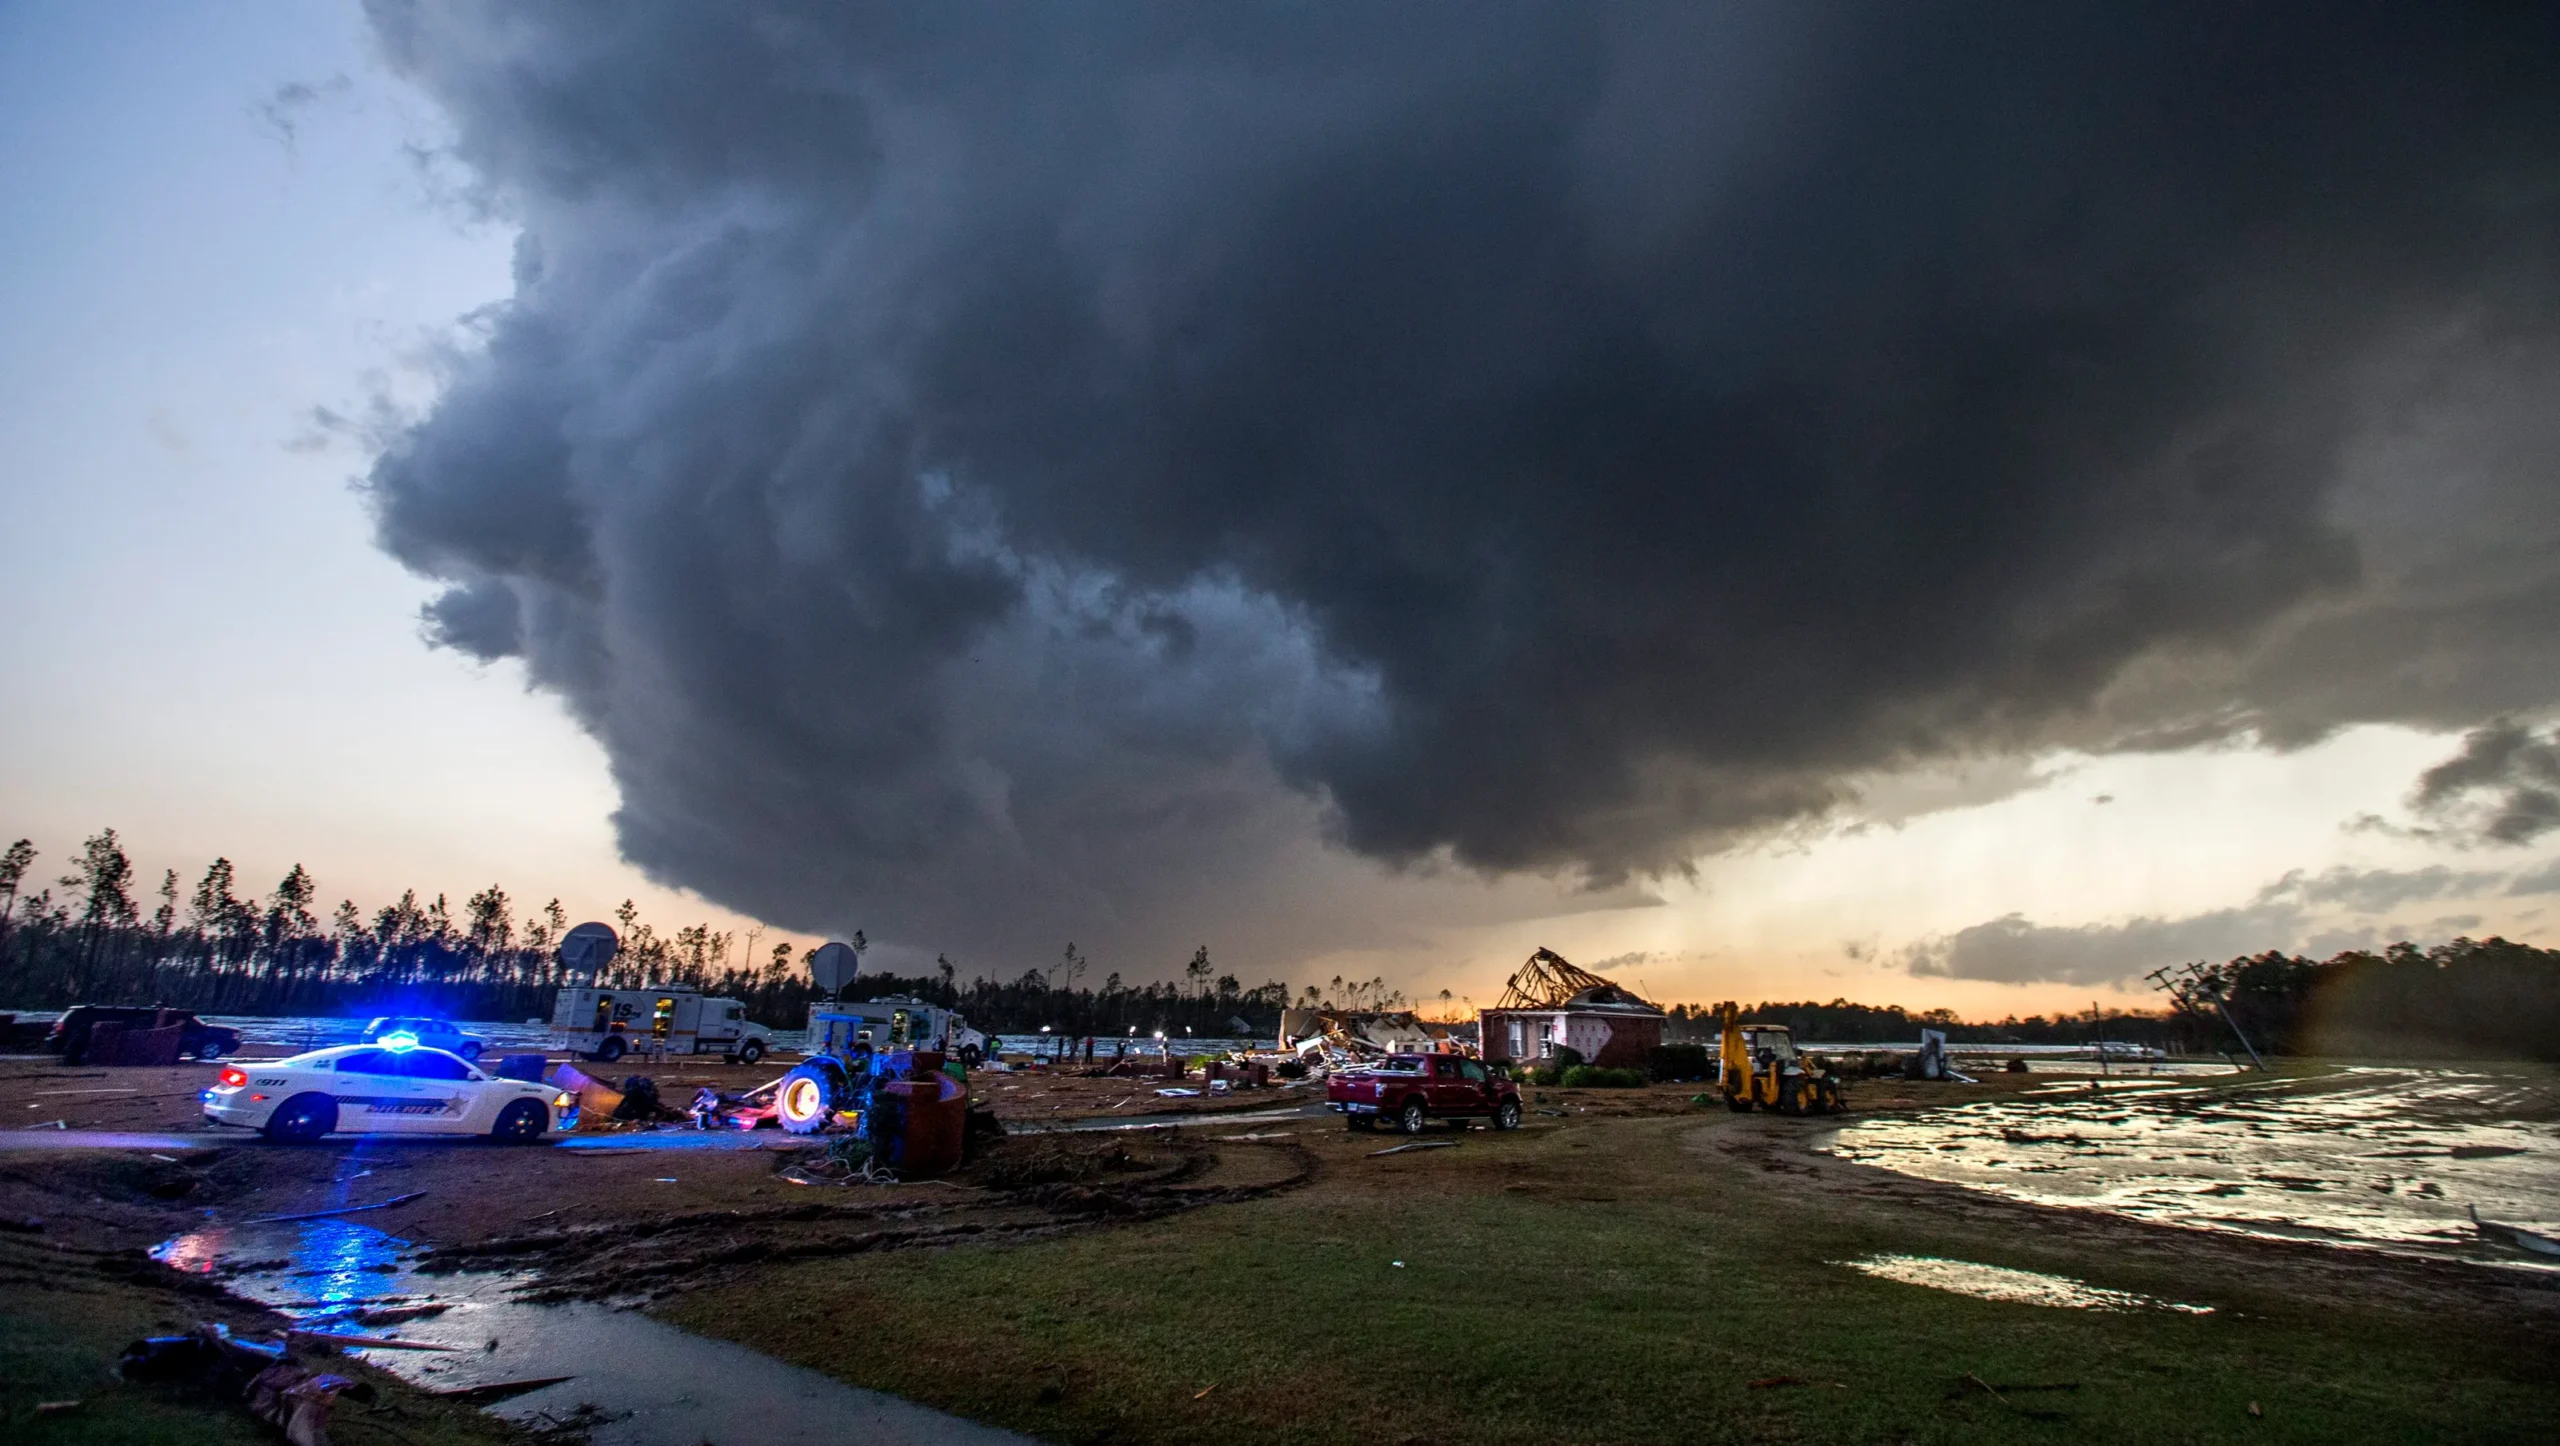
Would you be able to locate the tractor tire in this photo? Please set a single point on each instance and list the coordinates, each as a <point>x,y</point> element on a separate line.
<point>807,1099</point>
<point>520,1123</point>
<point>612,1049</point>
<point>1506,1115</point>
<point>302,1119</point>
<point>1409,1119</point>
<point>1791,1094</point>
<point>751,1051</point>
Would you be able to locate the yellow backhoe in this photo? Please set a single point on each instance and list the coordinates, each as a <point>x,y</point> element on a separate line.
<point>1761,1067</point>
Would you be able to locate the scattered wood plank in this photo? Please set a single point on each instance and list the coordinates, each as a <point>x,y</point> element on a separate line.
<point>1415,1145</point>
<point>371,1343</point>
<point>341,1210</point>
<point>497,1391</point>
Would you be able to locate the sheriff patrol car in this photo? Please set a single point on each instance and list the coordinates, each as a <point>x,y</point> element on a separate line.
<point>391,1087</point>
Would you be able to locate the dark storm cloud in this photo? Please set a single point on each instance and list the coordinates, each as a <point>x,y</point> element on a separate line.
<point>2502,788</point>
<point>976,461</point>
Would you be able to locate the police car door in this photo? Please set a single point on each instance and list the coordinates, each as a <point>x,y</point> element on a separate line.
<point>376,1093</point>
<point>444,1089</point>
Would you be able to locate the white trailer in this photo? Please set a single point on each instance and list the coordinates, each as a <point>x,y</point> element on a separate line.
<point>896,1023</point>
<point>606,1024</point>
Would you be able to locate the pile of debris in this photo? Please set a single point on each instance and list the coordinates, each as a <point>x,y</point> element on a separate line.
<point>267,1383</point>
<point>1340,1039</point>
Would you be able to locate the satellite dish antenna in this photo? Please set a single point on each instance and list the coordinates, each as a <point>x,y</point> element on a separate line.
<point>832,967</point>
<point>587,948</point>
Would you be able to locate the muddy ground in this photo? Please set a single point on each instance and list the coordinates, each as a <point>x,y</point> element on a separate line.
<point>478,1197</point>
<point>580,1211</point>
<point>638,1216</point>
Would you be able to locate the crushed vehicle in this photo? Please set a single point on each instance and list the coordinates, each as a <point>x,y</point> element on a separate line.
<point>71,1035</point>
<point>390,1088</point>
<point>1409,1089</point>
<point>606,1024</point>
<point>1761,1066</point>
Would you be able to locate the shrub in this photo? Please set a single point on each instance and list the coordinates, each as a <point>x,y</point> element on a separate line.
<point>1588,1076</point>
<point>1551,1070</point>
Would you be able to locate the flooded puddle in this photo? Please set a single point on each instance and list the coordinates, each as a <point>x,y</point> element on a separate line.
<point>2375,1157</point>
<point>634,1381</point>
<point>2019,1287</point>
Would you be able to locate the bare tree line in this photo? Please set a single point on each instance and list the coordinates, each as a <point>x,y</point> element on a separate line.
<point>86,937</point>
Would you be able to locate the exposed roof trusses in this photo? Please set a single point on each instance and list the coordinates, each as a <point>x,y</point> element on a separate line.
<point>1547,981</point>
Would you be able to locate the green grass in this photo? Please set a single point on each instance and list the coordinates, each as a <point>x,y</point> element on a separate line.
<point>1604,1283</point>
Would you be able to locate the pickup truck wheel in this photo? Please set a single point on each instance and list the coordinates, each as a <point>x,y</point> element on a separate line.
<point>1506,1116</point>
<point>612,1049</point>
<point>751,1051</point>
<point>302,1119</point>
<point>1409,1119</point>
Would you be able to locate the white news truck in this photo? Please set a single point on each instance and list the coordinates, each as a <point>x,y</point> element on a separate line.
<point>606,1024</point>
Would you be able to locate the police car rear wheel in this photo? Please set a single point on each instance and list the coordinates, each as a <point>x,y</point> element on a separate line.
<point>519,1122</point>
<point>303,1118</point>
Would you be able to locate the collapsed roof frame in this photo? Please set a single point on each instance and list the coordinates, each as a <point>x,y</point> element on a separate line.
<point>1549,981</point>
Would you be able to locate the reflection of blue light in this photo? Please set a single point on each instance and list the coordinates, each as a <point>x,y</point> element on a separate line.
<point>398,1041</point>
<point>343,1259</point>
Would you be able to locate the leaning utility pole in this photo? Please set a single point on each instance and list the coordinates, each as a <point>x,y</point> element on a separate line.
<point>2190,983</point>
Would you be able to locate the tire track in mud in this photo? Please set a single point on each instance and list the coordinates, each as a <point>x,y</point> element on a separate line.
<point>642,1258</point>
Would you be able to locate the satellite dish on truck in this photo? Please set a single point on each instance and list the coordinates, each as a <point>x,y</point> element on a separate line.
<point>587,948</point>
<point>832,966</point>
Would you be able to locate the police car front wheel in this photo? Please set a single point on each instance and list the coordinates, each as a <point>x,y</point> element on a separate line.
<point>519,1122</point>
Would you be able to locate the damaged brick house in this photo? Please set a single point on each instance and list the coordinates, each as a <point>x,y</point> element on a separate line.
<point>1550,1004</point>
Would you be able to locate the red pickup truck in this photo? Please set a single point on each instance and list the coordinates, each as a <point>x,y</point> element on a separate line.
<point>1410,1088</point>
